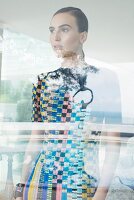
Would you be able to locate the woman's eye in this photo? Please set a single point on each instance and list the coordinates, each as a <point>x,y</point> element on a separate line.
<point>65,30</point>
<point>51,30</point>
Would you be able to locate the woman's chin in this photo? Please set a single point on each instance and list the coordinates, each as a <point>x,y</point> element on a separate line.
<point>59,54</point>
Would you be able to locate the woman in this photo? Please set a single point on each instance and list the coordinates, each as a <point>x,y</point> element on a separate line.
<point>68,169</point>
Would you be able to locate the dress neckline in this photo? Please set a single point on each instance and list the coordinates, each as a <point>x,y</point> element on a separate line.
<point>76,67</point>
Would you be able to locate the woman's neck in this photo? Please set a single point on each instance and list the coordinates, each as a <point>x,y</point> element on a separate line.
<point>73,61</point>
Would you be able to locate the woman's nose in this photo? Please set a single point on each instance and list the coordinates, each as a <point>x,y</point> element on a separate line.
<point>57,36</point>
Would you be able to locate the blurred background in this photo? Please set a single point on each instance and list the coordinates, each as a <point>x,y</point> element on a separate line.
<point>25,52</point>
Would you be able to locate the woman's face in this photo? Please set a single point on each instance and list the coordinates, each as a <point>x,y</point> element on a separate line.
<point>64,35</point>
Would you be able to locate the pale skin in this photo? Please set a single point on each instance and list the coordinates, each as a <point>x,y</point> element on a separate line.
<point>67,42</point>
<point>65,39</point>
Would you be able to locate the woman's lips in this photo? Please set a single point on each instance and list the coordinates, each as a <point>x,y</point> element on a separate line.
<point>58,47</point>
<point>59,50</point>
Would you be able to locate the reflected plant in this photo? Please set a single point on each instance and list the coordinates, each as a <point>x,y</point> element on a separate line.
<point>24,105</point>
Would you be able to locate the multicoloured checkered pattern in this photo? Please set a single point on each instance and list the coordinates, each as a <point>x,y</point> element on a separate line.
<point>53,106</point>
<point>59,173</point>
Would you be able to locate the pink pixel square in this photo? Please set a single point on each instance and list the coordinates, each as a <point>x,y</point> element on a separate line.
<point>64,111</point>
<point>66,102</point>
<point>54,181</point>
<point>59,177</point>
<point>63,119</point>
<point>68,114</point>
<point>61,159</point>
<point>69,106</point>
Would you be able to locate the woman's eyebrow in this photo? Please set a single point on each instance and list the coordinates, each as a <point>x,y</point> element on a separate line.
<point>61,26</point>
<point>65,25</point>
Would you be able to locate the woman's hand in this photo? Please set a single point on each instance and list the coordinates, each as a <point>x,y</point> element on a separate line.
<point>100,194</point>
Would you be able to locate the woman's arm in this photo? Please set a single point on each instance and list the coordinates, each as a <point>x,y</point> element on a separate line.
<point>33,148</point>
<point>113,115</point>
<point>112,151</point>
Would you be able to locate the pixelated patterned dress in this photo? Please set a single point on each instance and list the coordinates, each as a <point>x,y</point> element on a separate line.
<point>59,173</point>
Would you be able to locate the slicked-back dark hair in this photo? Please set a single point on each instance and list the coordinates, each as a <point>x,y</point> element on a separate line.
<point>81,18</point>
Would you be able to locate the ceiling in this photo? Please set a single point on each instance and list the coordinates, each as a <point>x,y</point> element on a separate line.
<point>111,35</point>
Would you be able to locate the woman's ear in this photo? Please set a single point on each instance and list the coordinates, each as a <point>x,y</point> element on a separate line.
<point>83,37</point>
